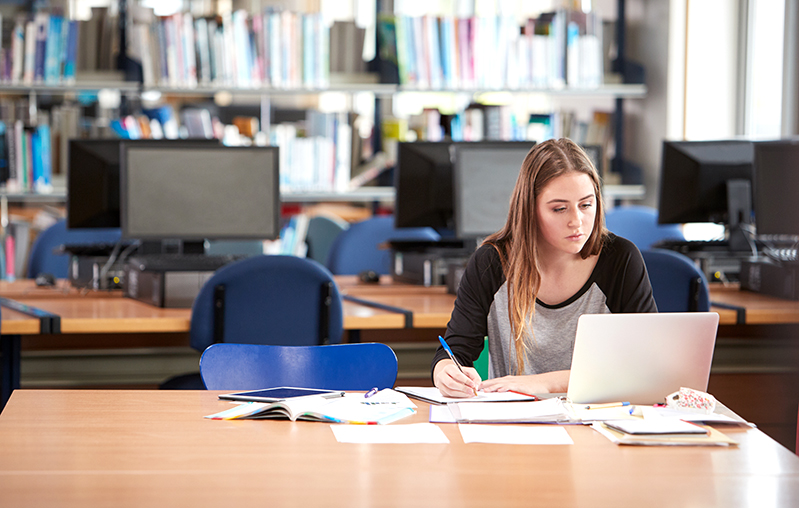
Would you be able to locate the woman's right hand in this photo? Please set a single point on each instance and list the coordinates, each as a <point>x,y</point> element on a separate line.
<point>451,382</point>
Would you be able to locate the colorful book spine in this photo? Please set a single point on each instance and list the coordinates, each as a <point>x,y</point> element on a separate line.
<point>52,54</point>
<point>41,21</point>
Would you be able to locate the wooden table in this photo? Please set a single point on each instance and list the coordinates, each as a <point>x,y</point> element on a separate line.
<point>77,448</point>
<point>747,307</point>
<point>81,312</point>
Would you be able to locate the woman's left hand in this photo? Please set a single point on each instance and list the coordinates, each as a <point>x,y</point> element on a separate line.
<point>550,382</point>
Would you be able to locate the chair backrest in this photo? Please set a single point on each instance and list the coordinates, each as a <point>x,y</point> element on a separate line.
<point>283,300</point>
<point>677,284</point>
<point>356,249</point>
<point>360,366</point>
<point>42,259</point>
<point>322,232</point>
<point>639,224</point>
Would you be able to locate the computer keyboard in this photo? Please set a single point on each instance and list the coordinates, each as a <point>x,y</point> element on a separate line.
<point>685,246</point>
<point>182,262</point>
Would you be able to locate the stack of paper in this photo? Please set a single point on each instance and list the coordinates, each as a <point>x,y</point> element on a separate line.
<point>543,411</point>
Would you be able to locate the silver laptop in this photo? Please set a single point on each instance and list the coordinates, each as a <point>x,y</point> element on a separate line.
<point>641,358</point>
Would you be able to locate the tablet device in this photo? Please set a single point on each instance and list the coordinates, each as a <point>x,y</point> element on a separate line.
<point>278,393</point>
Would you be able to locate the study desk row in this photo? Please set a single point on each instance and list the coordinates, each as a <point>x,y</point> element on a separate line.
<point>126,448</point>
<point>385,306</point>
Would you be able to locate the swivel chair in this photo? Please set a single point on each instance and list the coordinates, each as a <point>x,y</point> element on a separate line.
<point>639,224</point>
<point>237,367</point>
<point>357,249</point>
<point>677,284</point>
<point>274,300</point>
<point>42,259</point>
<point>322,232</point>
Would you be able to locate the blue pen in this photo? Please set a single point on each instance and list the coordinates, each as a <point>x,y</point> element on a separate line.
<point>370,393</point>
<point>452,357</point>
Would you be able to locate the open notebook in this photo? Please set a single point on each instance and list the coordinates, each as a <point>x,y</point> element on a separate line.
<point>641,358</point>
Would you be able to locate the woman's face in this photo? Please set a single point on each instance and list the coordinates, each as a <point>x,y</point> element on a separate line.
<point>566,209</point>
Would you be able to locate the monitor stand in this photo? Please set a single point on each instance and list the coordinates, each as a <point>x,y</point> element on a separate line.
<point>739,212</point>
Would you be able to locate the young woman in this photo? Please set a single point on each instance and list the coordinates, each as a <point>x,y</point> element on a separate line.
<point>527,285</point>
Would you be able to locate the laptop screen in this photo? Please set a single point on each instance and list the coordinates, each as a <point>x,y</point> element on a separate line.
<point>641,358</point>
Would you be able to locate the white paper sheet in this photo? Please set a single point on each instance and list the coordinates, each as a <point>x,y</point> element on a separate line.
<point>515,434</point>
<point>387,434</point>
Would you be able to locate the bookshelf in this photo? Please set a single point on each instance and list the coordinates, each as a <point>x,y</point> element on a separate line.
<point>184,83</point>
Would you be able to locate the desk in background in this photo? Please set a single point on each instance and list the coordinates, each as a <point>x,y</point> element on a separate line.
<point>755,366</point>
<point>110,320</point>
<point>154,448</point>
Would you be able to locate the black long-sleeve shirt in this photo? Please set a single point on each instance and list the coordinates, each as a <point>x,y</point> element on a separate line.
<point>618,284</point>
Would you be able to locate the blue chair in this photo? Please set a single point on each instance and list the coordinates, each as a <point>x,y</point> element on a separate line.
<point>274,300</point>
<point>322,232</point>
<point>277,300</point>
<point>639,224</point>
<point>335,367</point>
<point>677,284</point>
<point>357,249</point>
<point>42,259</point>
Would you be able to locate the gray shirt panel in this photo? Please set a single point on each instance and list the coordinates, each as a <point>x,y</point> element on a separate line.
<point>554,332</point>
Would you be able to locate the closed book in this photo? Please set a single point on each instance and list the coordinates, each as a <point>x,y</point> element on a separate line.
<point>203,51</point>
<point>189,55</point>
<point>17,50</point>
<point>435,72</point>
<point>41,23</point>
<point>275,50</point>
<point>3,155</point>
<point>70,64</point>
<point>42,179</point>
<point>29,67</point>
<point>712,437</point>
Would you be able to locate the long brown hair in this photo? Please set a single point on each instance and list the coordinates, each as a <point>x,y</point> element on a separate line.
<point>516,241</point>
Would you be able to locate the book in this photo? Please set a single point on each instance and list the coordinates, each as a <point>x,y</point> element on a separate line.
<point>386,406</point>
<point>712,437</point>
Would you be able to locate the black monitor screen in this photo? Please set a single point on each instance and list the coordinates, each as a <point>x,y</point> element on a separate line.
<point>694,176</point>
<point>93,183</point>
<point>93,179</point>
<point>777,187</point>
<point>423,183</point>
<point>199,193</point>
<point>484,177</point>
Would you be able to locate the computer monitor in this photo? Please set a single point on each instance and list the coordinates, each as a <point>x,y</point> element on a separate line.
<point>93,183</point>
<point>423,184</point>
<point>777,187</point>
<point>706,181</point>
<point>198,193</point>
<point>423,180</point>
<point>484,176</point>
<point>93,179</point>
